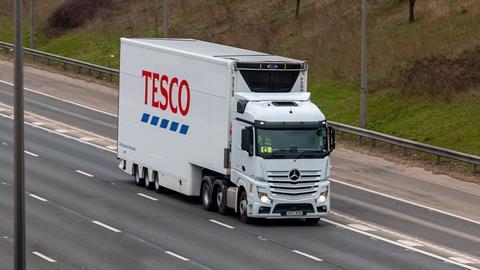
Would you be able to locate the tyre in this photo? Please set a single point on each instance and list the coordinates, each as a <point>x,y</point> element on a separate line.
<point>148,184</point>
<point>242,208</point>
<point>206,196</point>
<point>312,221</point>
<point>138,181</point>
<point>221,199</point>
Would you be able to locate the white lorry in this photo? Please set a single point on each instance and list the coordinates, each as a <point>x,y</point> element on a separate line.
<point>233,126</point>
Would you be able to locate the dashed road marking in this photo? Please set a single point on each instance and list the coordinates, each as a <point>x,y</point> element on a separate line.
<point>177,256</point>
<point>461,260</point>
<point>44,257</point>
<point>30,153</point>
<point>377,237</point>
<point>4,143</point>
<point>61,130</point>
<point>148,197</point>
<point>106,226</point>
<point>88,139</point>
<point>37,197</point>
<point>38,123</point>
<point>406,201</point>
<point>112,147</point>
<point>6,184</point>
<point>84,173</point>
<point>410,243</point>
<point>307,255</point>
<point>361,227</point>
<point>221,224</point>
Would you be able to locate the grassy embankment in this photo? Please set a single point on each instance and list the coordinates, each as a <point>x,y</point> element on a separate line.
<point>451,122</point>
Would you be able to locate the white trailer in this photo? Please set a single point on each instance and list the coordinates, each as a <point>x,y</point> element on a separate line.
<point>233,126</point>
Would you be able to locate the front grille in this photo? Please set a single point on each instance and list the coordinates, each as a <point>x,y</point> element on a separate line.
<point>282,186</point>
<point>283,208</point>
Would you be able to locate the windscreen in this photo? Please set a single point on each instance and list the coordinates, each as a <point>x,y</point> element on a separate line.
<point>291,143</point>
<point>264,81</point>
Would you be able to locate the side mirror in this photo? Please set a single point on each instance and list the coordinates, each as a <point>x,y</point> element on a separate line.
<point>247,140</point>
<point>331,138</point>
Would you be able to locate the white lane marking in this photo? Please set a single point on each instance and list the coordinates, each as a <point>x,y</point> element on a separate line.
<point>112,147</point>
<point>221,224</point>
<point>177,256</point>
<point>64,135</point>
<point>307,255</point>
<point>406,201</point>
<point>64,100</point>
<point>38,123</point>
<point>106,226</point>
<point>461,260</point>
<point>4,143</point>
<point>37,197</point>
<point>410,243</point>
<point>6,184</point>
<point>88,139</point>
<point>361,227</point>
<point>44,257</point>
<point>30,153</point>
<point>148,197</point>
<point>61,130</point>
<point>426,253</point>
<point>84,173</point>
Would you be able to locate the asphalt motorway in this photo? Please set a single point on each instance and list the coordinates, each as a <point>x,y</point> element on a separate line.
<point>83,213</point>
<point>72,185</point>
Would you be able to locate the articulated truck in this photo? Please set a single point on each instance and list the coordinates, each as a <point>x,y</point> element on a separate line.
<point>232,126</point>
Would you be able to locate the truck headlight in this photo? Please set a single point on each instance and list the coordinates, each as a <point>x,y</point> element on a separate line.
<point>263,195</point>
<point>323,196</point>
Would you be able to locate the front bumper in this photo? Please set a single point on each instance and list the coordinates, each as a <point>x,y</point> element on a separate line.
<point>282,209</point>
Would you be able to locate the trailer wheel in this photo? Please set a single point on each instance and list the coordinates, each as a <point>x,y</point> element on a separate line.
<point>148,184</point>
<point>138,181</point>
<point>221,199</point>
<point>312,221</point>
<point>242,208</point>
<point>206,196</point>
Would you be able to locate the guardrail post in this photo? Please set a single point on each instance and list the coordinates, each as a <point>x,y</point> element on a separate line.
<point>405,151</point>
<point>439,159</point>
<point>79,69</point>
<point>373,143</point>
<point>111,77</point>
<point>475,168</point>
<point>391,148</point>
<point>64,66</point>
<point>48,61</point>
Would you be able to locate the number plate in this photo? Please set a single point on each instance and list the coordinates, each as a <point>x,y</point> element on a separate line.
<point>294,213</point>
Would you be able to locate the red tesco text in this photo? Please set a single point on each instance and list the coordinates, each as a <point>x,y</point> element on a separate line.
<point>164,93</point>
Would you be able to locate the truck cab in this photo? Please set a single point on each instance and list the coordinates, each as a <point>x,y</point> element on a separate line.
<point>280,156</point>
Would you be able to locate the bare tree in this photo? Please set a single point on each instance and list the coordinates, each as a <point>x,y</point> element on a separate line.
<point>297,10</point>
<point>411,17</point>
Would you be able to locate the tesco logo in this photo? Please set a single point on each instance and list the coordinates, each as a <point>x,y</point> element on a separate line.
<point>166,93</point>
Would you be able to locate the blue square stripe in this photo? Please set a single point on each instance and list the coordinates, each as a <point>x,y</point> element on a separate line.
<point>154,120</point>
<point>173,126</point>
<point>145,117</point>
<point>183,129</point>
<point>164,123</point>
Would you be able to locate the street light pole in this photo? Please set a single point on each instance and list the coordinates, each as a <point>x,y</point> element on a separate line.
<point>32,26</point>
<point>363,79</point>
<point>19,158</point>
<point>165,18</point>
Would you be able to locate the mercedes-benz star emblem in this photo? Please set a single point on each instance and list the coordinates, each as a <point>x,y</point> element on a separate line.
<point>294,175</point>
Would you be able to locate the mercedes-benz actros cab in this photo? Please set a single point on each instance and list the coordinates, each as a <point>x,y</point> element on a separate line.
<point>235,127</point>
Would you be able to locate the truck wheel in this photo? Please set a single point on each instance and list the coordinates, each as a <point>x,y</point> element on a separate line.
<point>148,184</point>
<point>242,208</point>
<point>139,181</point>
<point>312,221</point>
<point>206,196</point>
<point>221,199</point>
